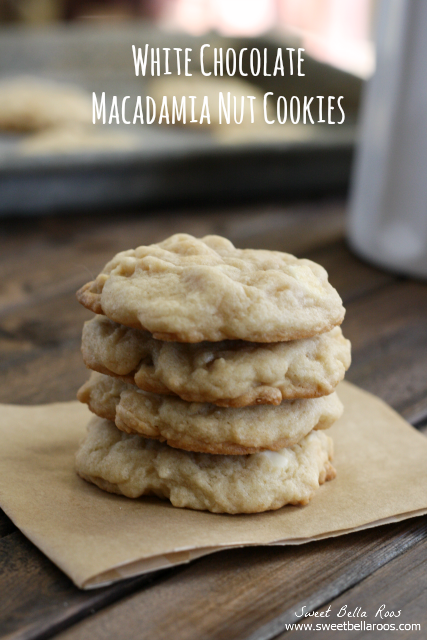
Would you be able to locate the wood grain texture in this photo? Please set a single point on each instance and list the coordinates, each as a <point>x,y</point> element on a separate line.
<point>400,585</point>
<point>388,331</point>
<point>37,599</point>
<point>347,273</point>
<point>46,256</point>
<point>249,593</point>
<point>6,525</point>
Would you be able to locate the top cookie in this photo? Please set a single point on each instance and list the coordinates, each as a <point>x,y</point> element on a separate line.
<point>189,290</point>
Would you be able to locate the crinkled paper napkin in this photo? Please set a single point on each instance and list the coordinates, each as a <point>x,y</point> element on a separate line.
<point>97,538</point>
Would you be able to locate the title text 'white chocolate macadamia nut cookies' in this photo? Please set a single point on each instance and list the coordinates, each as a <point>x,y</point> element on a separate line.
<point>190,290</point>
<point>230,373</point>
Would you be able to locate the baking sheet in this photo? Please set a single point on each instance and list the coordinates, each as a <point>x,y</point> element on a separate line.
<point>166,165</point>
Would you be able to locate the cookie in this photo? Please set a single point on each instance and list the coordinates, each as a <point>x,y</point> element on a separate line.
<point>230,373</point>
<point>190,290</point>
<point>134,466</point>
<point>33,104</point>
<point>205,427</point>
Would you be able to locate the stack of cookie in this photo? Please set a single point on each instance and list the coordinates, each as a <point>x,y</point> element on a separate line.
<point>214,371</point>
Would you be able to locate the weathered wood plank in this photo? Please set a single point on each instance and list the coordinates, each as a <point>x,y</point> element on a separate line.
<point>37,599</point>
<point>54,265</point>
<point>6,525</point>
<point>423,427</point>
<point>44,375</point>
<point>40,359</point>
<point>352,277</point>
<point>383,313</point>
<point>400,585</point>
<point>297,229</point>
<point>388,332</point>
<point>53,252</point>
<point>46,323</point>
<point>69,251</point>
<point>249,592</point>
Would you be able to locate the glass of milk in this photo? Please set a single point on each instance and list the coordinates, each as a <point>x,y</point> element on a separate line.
<point>388,204</point>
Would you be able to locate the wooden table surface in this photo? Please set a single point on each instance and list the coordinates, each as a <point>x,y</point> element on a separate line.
<point>246,593</point>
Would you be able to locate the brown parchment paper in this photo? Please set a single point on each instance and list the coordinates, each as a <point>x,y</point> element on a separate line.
<point>97,538</point>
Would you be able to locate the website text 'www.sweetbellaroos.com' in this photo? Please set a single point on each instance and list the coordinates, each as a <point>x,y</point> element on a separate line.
<point>348,619</point>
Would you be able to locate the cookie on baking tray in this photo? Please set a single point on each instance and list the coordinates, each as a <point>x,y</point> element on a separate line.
<point>189,290</point>
<point>34,104</point>
<point>230,373</point>
<point>134,466</point>
<point>205,427</point>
